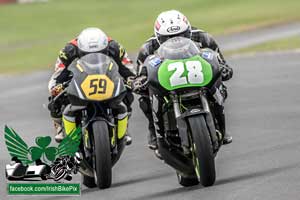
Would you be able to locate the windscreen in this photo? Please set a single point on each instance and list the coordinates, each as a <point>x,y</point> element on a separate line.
<point>97,63</point>
<point>96,77</point>
<point>178,48</point>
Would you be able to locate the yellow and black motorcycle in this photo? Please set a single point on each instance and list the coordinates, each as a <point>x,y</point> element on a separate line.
<point>95,85</point>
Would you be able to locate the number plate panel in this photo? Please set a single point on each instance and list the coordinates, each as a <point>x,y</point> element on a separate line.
<point>191,72</point>
<point>98,87</point>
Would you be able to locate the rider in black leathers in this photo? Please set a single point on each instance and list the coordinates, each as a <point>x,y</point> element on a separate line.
<point>171,24</point>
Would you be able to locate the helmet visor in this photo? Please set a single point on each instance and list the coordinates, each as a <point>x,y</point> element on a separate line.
<point>163,38</point>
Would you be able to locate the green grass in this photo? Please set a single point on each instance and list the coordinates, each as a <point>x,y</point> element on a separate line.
<point>276,45</point>
<point>32,34</point>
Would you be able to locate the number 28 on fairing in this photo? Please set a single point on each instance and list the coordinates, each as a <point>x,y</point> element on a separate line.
<point>192,72</point>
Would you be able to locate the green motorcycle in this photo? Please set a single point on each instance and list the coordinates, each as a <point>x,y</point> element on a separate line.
<point>184,83</point>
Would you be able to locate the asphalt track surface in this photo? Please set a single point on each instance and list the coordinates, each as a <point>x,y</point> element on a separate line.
<point>257,36</point>
<point>263,115</point>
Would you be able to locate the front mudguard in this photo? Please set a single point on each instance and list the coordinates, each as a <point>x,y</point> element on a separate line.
<point>119,144</point>
<point>182,122</point>
<point>86,129</point>
<point>182,125</point>
<point>87,145</point>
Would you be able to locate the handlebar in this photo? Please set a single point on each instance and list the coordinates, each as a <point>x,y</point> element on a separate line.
<point>139,84</point>
<point>65,85</point>
<point>59,95</point>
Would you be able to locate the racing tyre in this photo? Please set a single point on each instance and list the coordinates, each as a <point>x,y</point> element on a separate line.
<point>204,157</point>
<point>102,155</point>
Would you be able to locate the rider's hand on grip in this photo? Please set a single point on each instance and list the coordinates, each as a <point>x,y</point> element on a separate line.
<point>138,84</point>
<point>129,81</point>
<point>227,73</point>
<point>57,89</point>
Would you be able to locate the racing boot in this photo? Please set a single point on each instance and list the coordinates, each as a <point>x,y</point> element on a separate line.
<point>227,139</point>
<point>157,154</point>
<point>145,105</point>
<point>59,133</point>
<point>128,139</point>
<point>129,98</point>
<point>220,117</point>
<point>152,140</point>
<point>69,124</point>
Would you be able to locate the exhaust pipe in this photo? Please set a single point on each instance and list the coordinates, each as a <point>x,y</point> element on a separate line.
<point>86,169</point>
<point>175,158</point>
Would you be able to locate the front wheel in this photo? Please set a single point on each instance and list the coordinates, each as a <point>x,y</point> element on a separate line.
<point>204,158</point>
<point>102,155</point>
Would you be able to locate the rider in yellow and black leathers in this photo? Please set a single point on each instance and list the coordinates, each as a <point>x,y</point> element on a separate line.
<point>90,40</point>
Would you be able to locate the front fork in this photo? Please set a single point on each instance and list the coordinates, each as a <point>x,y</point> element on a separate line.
<point>210,122</point>
<point>182,124</point>
<point>86,121</point>
<point>176,105</point>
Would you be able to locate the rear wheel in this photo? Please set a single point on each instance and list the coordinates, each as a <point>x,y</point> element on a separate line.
<point>102,155</point>
<point>187,181</point>
<point>204,158</point>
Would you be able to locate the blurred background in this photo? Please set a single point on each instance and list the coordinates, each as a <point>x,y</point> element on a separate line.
<point>33,31</point>
<point>261,41</point>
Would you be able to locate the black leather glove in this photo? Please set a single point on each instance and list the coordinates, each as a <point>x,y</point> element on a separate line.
<point>138,84</point>
<point>129,81</point>
<point>227,73</point>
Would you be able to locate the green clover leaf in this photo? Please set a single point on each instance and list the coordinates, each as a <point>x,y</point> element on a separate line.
<point>50,153</point>
<point>38,152</point>
<point>43,142</point>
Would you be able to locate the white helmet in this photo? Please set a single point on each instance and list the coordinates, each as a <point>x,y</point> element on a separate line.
<point>171,23</point>
<point>92,40</point>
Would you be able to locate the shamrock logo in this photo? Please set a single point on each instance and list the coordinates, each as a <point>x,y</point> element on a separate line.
<point>42,149</point>
<point>18,148</point>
